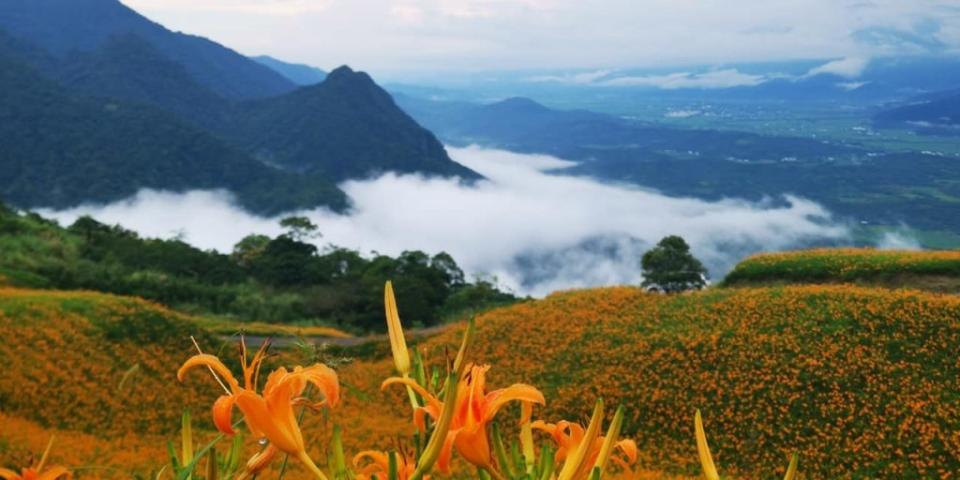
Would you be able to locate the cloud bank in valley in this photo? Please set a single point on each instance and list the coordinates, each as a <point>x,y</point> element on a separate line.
<point>533,228</point>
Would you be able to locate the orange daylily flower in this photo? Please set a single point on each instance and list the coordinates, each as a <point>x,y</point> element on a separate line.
<point>270,415</point>
<point>379,466</point>
<point>475,408</point>
<point>37,472</point>
<point>628,455</point>
<point>52,473</point>
<point>568,436</point>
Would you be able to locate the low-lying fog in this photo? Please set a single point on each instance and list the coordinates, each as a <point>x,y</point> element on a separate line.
<point>533,229</point>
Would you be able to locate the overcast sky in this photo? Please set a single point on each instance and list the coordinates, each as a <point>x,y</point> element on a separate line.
<point>392,36</point>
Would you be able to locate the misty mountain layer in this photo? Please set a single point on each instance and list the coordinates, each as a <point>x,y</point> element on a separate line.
<point>226,121</point>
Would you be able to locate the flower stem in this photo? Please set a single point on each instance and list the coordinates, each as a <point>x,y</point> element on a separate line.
<point>311,466</point>
<point>494,473</point>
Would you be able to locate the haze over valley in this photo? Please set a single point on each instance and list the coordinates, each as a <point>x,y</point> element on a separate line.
<point>527,224</point>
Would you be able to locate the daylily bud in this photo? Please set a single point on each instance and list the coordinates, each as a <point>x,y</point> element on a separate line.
<point>258,463</point>
<point>709,469</point>
<point>792,469</point>
<point>526,436</point>
<point>398,344</point>
<point>186,438</point>
<point>613,432</point>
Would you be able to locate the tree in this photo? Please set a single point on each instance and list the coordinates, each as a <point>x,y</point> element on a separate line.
<point>249,249</point>
<point>444,263</point>
<point>300,229</point>
<point>285,263</point>
<point>672,268</point>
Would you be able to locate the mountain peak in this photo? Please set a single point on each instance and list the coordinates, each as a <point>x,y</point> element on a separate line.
<point>345,127</point>
<point>299,73</point>
<point>345,74</point>
<point>342,70</point>
<point>518,104</point>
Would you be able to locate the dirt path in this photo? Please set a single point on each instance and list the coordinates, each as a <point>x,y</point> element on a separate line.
<point>255,341</point>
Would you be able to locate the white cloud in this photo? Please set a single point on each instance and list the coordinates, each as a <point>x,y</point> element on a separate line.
<point>898,240</point>
<point>850,67</point>
<point>535,230</point>
<point>726,78</point>
<point>580,78</point>
<point>254,7</point>
<point>682,113</point>
<point>851,86</point>
<point>408,13</point>
<point>397,36</point>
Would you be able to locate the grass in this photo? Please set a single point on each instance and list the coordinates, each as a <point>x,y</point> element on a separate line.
<point>935,270</point>
<point>221,326</point>
<point>861,382</point>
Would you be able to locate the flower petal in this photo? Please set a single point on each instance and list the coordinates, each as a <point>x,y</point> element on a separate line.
<point>258,463</point>
<point>325,379</point>
<point>223,414</point>
<point>210,361</point>
<point>8,474</point>
<point>377,457</point>
<point>419,416</point>
<point>498,398</point>
<point>54,473</point>
<point>629,449</point>
<point>431,400</point>
<point>446,452</point>
<point>269,423</point>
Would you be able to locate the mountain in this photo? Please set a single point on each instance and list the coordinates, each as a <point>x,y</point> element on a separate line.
<point>129,68</point>
<point>524,125</point>
<point>851,180</point>
<point>121,103</point>
<point>62,149</point>
<point>66,26</point>
<point>345,127</point>
<point>295,72</point>
<point>937,112</point>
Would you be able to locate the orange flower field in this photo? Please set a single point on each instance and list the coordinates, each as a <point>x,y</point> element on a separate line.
<point>845,264</point>
<point>859,382</point>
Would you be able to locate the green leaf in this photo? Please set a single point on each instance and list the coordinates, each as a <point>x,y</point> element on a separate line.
<point>186,438</point>
<point>392,471</point>
<point>500,452</point>
<point>546,462</point>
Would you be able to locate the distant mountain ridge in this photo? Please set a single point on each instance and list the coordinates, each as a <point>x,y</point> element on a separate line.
<point>130,68</point>
<point>291,143</point>
<point>65,26</point>
<point>937,112</point>
<point>709,163</point>
<point>326,128</point>
<point>298,73</point>
<point>61,149</point>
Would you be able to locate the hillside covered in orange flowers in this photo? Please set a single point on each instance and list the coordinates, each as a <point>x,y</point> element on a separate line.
<point>861,382</point>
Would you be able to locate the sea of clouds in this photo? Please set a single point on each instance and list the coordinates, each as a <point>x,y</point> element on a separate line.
<point>533,228</point>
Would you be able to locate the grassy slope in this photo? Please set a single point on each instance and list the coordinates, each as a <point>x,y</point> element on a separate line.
<point>64,356</point>
<point>862,382</point>
<point>62,375</point>
<point>925,270</point>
